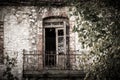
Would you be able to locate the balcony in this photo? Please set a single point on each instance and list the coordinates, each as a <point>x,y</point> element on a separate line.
<point>37,64</point>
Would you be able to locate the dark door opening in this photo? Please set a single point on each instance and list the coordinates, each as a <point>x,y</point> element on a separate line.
<point>50,47</point>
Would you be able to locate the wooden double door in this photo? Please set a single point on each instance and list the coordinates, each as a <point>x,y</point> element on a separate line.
<point>56,44</point>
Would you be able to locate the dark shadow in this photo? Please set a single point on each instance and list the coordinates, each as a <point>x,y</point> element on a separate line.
<point>50,47</point>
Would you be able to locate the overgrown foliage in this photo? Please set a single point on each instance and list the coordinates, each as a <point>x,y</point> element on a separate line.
<point>98,25</point>
<point>10,64</point>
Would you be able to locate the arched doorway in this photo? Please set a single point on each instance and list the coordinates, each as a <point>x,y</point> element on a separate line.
<point>56,41</point>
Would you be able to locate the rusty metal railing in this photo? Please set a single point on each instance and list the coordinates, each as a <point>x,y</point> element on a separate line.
<point>38,60</point>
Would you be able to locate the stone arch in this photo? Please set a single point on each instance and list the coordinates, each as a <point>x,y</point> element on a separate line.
<point>54,28</point>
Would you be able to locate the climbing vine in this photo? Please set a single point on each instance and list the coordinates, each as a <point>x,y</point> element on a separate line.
<point>97,23</point>
<point>10,64</point>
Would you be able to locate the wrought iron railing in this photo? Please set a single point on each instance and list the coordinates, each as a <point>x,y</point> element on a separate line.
<point>38,60</point>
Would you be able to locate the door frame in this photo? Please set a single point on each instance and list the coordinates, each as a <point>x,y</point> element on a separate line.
<point>63,26</point>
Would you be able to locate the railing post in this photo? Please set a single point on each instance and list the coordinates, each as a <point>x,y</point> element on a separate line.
<point>44,52</point>
<point>23,59</point>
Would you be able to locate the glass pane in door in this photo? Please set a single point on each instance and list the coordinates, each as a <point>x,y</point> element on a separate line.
<point>60,44</point>
<point>60,41</point>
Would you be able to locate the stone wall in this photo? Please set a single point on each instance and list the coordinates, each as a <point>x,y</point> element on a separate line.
<point>23,30</point>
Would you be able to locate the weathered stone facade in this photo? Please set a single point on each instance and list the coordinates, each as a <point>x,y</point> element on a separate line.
<point>23,31</point>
